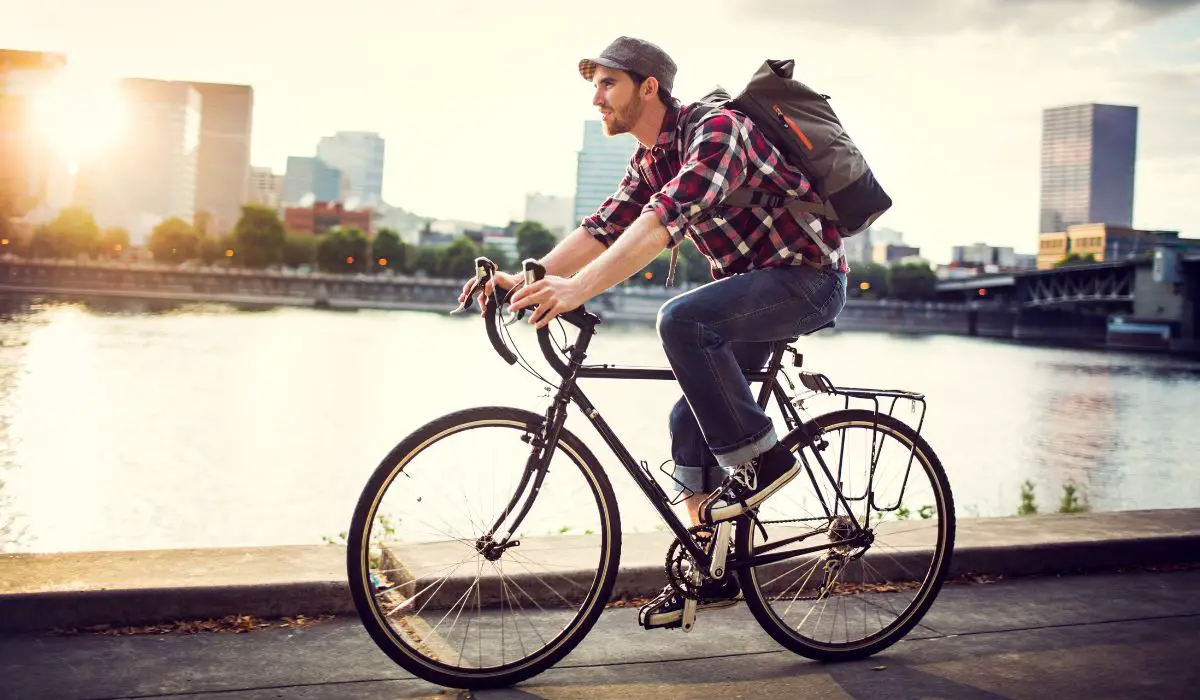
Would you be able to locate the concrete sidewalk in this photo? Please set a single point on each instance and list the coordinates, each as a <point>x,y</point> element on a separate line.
<point>1122,636</point>
<point>74,590</point>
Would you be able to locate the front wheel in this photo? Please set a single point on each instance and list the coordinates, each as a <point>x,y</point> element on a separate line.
<point>874,503</point>
<point>442,590</point>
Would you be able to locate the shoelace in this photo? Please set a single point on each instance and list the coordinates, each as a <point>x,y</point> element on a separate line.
<point>746,476</point>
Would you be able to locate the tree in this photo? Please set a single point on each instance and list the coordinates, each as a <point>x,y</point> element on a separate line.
<point>694,266</point>
<point>497,255</point>
<point>258,237</point>
<point>73,232</point>
<point>428,260</point>
<point>173,241</point>
<point>212,249</point>
<point>458,259</point>
<point>533,240</point>
<point>299,250</point>
<point>875,276</point>
<point>387,247</point>
<point>7,230</point>
<point>912,282</point>
<point>1076,259</point>
<point>342,250</point>
<point>44,243</point>
<point>113,241</point>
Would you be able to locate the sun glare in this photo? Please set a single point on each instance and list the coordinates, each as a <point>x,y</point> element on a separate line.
<point>79,115</point>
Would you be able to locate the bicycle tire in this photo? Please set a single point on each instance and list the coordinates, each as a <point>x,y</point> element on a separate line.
<point>779,630</point>
<point>573,633</point>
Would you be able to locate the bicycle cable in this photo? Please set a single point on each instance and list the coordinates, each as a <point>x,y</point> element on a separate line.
<point>521,361</point>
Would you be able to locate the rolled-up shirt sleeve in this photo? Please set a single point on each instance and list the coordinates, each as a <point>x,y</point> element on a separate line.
<point>620,209</point>
<point>715,165</point>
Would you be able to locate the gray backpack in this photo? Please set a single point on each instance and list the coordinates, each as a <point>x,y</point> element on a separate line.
<point>801,124</point>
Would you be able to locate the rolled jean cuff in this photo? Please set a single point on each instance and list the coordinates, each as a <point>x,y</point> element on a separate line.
<point>692,478</point>
<point>744,453</point>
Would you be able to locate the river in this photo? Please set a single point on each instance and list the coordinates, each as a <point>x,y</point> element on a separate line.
<point>201,426</point>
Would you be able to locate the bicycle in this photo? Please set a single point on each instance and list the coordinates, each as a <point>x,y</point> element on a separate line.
<point>411,602</point>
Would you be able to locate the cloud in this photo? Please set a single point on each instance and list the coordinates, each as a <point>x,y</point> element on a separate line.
<point>930,17</point>
<point>1169,119</point>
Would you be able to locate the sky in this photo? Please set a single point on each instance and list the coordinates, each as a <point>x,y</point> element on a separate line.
<point>481,102</point>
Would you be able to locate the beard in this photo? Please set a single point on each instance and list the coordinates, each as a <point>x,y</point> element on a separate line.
<point>622,119</point>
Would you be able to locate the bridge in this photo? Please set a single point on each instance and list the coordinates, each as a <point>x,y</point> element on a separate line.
<point>1135,299</point>
<point>1105,305</point>
<point>1100,283</point>
<point>229,285</point>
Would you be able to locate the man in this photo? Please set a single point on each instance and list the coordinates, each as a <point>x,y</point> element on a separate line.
<point>771,279</point>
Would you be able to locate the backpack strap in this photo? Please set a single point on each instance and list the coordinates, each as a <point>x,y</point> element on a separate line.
<point>747,197</point>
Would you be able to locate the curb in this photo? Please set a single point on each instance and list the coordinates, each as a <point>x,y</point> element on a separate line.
<point>64,610</point>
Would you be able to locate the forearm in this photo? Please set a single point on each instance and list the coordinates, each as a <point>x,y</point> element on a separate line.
<point>572,253</point>
<point>634,250</point>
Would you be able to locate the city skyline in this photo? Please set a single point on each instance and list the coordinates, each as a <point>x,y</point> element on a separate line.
<point>955,142</point>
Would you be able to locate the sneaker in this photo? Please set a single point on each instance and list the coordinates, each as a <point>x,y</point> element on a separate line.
<point>750,484</point>
<point>667,609</point>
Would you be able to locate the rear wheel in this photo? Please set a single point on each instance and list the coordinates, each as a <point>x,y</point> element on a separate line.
<point>430,583</point>
<point>867,472</point>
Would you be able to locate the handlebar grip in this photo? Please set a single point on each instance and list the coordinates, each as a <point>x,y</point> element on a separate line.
<point>491,308</point>
<point>485,269</point>
<point>535,271</point>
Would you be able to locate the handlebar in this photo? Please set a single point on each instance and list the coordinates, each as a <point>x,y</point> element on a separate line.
<point>485,270</point>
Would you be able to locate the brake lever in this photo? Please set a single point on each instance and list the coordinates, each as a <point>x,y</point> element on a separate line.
<point>507,318</point>
<point>470,299</point>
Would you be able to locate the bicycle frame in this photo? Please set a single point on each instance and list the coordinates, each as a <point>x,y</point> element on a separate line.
<point>569,392</point>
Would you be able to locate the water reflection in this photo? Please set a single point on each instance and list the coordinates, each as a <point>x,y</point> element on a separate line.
<point>131,426</point>
<point>13,339</point>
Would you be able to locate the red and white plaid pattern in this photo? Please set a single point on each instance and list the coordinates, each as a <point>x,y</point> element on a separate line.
<point>683,183</point>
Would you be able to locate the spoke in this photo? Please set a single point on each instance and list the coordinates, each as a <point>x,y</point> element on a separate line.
<point>539,579</point>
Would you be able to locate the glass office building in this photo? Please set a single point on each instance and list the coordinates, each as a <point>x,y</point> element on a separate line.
<point>601,165</point>
<point>1088,157</point>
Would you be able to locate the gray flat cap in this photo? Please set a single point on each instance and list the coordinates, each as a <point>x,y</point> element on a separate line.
<point>635,55</point>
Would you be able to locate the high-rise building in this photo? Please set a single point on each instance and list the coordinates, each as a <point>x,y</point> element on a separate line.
<point>226,117</point>
<point>309,180</point>
<point>601,165</point>
<point>266,187</point>
<point>860,248</point>
<point>25,157</point>
<point>553,212</point>
<point>359,155</point>
<point>1088,157</point>
<point>150,173</point>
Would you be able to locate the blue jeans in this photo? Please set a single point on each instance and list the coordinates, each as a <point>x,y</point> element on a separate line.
<point>711,335</point>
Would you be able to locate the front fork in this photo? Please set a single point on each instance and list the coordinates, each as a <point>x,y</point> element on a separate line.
<point>542,442</point>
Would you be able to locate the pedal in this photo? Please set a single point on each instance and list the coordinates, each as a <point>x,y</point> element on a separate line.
<point>689,614</point>
<point>720,550</point>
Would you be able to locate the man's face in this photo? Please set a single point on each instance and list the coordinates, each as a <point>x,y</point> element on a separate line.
<point>619,101</point>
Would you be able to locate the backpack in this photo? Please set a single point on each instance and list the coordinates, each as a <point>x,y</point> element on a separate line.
<point>799,122</point>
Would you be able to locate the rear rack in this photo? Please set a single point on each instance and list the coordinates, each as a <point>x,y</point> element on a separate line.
<point>818,383</point>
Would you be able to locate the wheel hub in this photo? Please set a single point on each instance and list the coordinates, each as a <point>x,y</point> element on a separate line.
<point>491,549</point>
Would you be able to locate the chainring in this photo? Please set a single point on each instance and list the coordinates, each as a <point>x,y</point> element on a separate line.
<point>684,577</point>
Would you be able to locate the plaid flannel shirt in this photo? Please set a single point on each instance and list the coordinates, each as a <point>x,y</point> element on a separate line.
<point>683,185</point>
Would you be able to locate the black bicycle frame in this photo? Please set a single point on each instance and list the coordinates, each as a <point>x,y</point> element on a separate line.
<point>569,391</point>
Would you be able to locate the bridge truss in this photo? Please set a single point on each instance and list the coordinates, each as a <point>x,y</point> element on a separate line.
<point>1073,286</point>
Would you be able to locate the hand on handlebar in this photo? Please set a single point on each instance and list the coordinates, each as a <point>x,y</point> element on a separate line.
<point>471,288</point>
<point>552,295</point>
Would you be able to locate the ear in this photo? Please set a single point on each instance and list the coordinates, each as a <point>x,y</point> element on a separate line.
<point>650,87</point>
